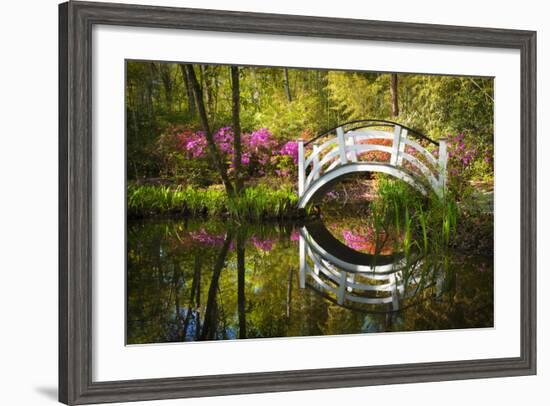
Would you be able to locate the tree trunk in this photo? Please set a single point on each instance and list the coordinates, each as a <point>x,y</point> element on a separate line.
<point>394,95</point>
<point>212,147</point>
<point>287,85</point>
<point>236,129</point>
<point>256,93</point>
<point>205,83</point>
<point>166,77</point>
<point>188,90</point>
<point>149,96</point>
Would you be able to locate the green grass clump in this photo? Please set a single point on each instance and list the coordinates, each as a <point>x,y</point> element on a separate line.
<point>255,202</point>
<point>425,223</point>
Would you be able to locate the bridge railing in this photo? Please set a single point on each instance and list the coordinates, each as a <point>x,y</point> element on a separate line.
<point>371,288</point>
<point>399,150</point>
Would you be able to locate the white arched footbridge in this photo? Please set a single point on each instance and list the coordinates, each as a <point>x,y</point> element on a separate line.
<point>352,148</point>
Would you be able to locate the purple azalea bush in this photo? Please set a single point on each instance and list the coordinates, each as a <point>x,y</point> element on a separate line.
<point>290,149</point>
<point>261,153</point>
<point>465,160</point>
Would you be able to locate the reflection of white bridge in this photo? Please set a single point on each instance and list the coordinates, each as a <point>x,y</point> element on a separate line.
<point>344,151</point>
<point>354,277</point>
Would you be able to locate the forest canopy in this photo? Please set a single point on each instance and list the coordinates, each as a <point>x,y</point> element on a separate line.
<point>288,104</point>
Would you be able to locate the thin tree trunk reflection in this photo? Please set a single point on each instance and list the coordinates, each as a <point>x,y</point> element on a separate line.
<point>209,326</point>
<point>289,294</point>
<point>240,285</point>
<point>198,308</point>
<point>177,277</point>
<point>194,283</point>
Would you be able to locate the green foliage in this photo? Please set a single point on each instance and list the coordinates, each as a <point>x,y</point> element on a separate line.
<point>175,165</point>
<point>359,95</point>
<point>157,98</point>
<point>434,225</point>
<point>171,266</point>
<point>260,202</point>
<point>298,104</point>
<point>424,224</point>
<point>143,200</point>
<point>255,203</point>
<point>439,105</point>
<point>436,105</point>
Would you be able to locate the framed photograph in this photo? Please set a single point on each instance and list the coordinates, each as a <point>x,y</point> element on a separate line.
<point>259,202</point>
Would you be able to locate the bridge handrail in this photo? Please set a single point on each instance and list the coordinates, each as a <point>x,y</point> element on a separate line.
<point>418,148</point>
<point>333,275</point>
<point>362,148</point>
<point>362,136</point>
<point>374,135</point>
<point>334,155</point>
<point>374,123</point>
<point>347,147</point>
<point>357,287</point>
<point>423,168</point>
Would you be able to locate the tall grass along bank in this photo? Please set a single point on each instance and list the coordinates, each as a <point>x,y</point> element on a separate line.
<point>255,202</point>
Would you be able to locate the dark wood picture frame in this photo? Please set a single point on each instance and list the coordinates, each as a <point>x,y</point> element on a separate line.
<point>76,20</point>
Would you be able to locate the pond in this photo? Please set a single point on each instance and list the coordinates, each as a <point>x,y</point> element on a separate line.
<point>198,279</point>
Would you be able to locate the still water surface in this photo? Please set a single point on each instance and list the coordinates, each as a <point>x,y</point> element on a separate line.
<point>192,280</point>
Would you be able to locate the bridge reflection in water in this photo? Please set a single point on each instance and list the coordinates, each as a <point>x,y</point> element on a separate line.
<point>349,277</point>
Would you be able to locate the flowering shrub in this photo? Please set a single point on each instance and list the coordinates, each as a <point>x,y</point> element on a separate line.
<point>194,144</point>
<point>466,161</point>
<point>286,160</point>
<point>258,148</point>
<point>460,155</point>
<point>290,149</point>
<point>261,153</point>
<point>169,148</point>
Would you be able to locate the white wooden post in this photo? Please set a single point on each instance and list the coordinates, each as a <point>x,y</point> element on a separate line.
<point>395,145</point>
<point>316,269</point>
<point>351,279</point>
<point>394,294</point>
<point>301,168</point>
<point>401,150</point>
<point>342,145</point>
<point>303,264</point>
<point>316,168</point>
<point>352,153</point>
<point>443,164</point>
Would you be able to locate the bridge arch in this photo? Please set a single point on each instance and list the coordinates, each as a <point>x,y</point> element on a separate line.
<point>348,148</point>
<point>352,277</point>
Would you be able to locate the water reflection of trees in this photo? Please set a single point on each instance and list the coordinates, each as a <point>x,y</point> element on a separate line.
<point>190,281</point>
